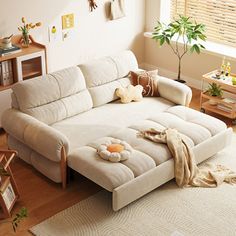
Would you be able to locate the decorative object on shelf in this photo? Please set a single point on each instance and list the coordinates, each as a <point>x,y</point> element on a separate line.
<point>25,31</point>
<point>225,68</point>
<point>7,51</point>
<point>6,42</point>
<point>115,150</point>
<point>228,79</point>
<point>228,69</point>
<point>183,29</point>
<point>92,4</point>
<point>233,80</point>
<point>8,189</point>
<point>222,68</point>
<point>117,9</point>
<point>215,90</point>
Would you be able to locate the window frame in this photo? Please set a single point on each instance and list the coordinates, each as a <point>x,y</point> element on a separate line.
<point>212,48</point>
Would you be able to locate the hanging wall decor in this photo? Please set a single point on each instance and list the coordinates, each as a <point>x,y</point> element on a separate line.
<point>92,5</point>
<point>117,9</point>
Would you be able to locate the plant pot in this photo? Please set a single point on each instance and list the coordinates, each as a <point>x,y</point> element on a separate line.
<point>212,102</point>
<point>180,81</point>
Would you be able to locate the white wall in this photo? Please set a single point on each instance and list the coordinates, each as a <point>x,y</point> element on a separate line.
<point>194,66</point>
<point>95,35</point>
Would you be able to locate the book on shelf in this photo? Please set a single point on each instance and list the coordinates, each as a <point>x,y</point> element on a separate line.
<point>6,73</point>
<point>8,51</point>
<point>230,100</point>
<point>224,108</point>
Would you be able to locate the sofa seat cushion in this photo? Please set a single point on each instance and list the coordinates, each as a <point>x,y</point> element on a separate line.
<point>210,123</point>
<point>194,127</point>
<point>105,120</point>
<point>86,161</point>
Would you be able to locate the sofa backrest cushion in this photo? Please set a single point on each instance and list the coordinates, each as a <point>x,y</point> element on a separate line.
<point>53,97</point>
<point>104,75</point>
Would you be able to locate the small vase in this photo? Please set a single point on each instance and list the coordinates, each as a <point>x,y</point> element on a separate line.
<point>25,40</point>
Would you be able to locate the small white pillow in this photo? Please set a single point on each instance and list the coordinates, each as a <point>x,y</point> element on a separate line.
<point>129,94</point>
<point>115,150</point>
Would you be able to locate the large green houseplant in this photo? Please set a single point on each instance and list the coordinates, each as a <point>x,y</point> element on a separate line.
<point>181,30</point>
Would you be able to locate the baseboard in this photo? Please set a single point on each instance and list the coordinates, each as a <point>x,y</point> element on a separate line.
<point>172,75</point>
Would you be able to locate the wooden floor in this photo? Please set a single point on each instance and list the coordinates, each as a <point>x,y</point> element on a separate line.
<point>44,198</point>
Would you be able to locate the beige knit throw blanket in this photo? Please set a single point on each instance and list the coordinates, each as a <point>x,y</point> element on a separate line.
<point>186,171</point>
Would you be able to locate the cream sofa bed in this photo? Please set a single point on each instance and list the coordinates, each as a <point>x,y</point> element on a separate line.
<point>60,119</point>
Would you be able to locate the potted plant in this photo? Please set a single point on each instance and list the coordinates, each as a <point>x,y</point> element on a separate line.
<point>185,30</point>
<point>16,219</point>
<point>214,90</point>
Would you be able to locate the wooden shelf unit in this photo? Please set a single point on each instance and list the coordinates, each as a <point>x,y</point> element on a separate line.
<point>228,89</point>
<point>34,55</point>
<point>7,183</point>
<point>30,62</point>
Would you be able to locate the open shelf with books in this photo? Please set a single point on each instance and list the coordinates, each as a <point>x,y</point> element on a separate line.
<point>20,64</point>
<point>225,105</point>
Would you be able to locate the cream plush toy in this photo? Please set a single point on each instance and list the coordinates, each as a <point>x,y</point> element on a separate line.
<point>129,94</point>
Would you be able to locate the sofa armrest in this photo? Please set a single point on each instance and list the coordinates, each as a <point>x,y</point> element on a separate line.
<point>40,137</point>
<point>174,91</point>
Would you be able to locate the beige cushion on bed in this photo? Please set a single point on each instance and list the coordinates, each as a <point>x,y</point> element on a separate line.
<point>194,129</point>
<point>107,119</point>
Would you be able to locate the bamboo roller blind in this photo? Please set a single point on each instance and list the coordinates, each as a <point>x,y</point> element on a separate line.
<point>219,16</point>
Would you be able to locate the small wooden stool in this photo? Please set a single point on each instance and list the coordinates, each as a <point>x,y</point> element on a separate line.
<point>8,189</point>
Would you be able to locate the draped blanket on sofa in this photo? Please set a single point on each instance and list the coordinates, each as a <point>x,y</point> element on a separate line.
<point>186,171</point>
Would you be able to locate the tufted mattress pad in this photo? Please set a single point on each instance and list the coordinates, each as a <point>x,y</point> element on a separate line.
<point>195,127</point>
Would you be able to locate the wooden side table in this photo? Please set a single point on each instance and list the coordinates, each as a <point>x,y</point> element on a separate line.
<point>225,105</point>
<point>8,189</point>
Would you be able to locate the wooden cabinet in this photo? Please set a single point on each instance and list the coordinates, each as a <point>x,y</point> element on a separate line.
<point>28,63</point>
<point>225,105</point>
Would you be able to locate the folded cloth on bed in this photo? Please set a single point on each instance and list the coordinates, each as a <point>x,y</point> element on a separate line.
<point>186,171</point>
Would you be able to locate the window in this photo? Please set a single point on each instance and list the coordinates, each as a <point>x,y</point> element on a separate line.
<point>219,16</point>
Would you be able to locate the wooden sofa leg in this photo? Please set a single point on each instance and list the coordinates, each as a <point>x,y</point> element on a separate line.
<point>63,167</point>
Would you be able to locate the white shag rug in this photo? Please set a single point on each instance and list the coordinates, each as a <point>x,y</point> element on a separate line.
<point>168,210</point>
